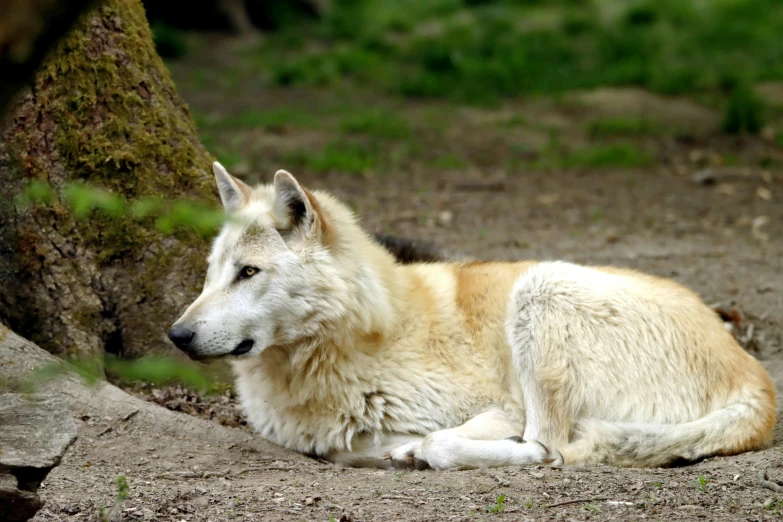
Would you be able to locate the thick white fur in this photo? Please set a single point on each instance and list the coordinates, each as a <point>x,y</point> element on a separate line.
<point>370,363</point>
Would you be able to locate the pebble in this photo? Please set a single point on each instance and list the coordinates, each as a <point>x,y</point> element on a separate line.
<point>445,218</point>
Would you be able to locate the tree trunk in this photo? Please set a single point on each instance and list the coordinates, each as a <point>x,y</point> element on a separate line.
<point>103,110</point>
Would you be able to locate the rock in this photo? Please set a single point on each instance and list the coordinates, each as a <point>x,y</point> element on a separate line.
<point>35,432</point>
<point>16,504</point>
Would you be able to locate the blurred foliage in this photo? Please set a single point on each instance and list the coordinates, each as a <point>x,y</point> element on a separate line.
<point>159,371</point>
<point>152,369</point>
<point>210,15</point>
<point>83,199</point>
<point>480,51</point>
<point>744,111</point>
<point>170,42</point>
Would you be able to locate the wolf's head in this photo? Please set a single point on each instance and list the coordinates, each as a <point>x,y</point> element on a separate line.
<point>288,265</point>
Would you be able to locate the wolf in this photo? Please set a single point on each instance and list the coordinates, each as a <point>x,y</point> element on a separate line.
<point>342,352</point>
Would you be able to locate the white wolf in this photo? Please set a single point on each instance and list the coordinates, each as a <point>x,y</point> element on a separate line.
<point>341,352</point>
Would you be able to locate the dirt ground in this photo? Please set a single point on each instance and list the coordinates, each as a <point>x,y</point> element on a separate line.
<point>721,238</point>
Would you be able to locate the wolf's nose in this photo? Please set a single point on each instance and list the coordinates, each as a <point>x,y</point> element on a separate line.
<point>181,337</point>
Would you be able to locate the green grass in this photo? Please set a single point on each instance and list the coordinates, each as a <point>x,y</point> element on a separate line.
<point>774,505</point>
<point>377,123</point>
<point>517,120</point>
<point>592,507</point>
<point>619,155</point>
<point>339,156</point>
<point>499,505</point>
<point>169,41</point>
<point>744,112</point>
<point>123,489</point>
<point>613,156</point>
<point>480,52</point>
<point>448,162</point>
<point>271,120</point>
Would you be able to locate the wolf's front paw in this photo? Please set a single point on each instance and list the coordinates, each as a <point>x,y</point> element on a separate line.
<point>407,456</point>
<point>542,454</point>
<point>555,458</point>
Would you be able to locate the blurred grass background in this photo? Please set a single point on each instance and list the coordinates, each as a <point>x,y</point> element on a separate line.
<point>478,52</point>
<point>378,80</point>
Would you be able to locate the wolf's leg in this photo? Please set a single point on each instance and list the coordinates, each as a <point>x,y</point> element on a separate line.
<point>367,452</point>
<point>542,329</point>
<point>488,440</point>
<point>631,372</point>
<point>546,385</point>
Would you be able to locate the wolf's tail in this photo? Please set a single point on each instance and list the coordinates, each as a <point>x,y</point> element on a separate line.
<point>744,425</point>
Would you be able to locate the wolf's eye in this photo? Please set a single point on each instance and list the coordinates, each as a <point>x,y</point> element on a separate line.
<point>247,272</point>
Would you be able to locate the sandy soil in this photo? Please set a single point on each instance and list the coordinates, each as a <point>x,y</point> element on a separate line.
<point>721,239</point>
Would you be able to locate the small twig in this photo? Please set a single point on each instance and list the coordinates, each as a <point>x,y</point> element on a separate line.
<point>395,497</point>
<point>210,474</point>
<point>501,481</point>
<point>248,470</point>
<point>193,474</point>
<point>130,416</point>
<point>576,501</point>
<point>764,482</point>
<point>105,431</point>
<point>174,475</point>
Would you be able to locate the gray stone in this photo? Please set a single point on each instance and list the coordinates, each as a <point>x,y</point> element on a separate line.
<point>15,504</point>
<point>35,432</point>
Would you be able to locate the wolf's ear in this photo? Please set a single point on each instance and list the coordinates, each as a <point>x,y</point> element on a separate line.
<point>234,193</point>
<point>297,209</point>
<point>292,206</point>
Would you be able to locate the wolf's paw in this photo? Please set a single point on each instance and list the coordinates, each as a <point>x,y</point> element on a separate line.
<point>547,456</point>
<point>555,458</point>
<point>407,456</point>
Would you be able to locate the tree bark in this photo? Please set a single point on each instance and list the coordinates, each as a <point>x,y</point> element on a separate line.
<point>102,110</point>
